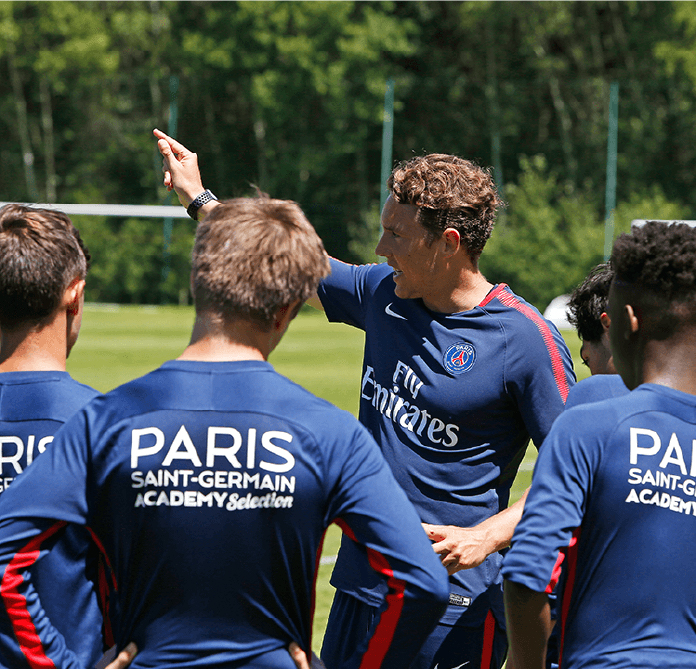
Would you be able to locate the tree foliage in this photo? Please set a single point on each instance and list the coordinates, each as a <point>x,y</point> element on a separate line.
<point>288,96</point>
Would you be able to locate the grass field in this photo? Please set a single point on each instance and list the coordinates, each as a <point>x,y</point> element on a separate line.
<point>119,343</point>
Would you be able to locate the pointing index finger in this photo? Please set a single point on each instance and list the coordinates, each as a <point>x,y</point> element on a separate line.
<point>177,147</point>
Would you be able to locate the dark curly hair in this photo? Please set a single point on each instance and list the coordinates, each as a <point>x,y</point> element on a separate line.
<point>659,260</point>
<point>588,301</point>
<point>450,192</point>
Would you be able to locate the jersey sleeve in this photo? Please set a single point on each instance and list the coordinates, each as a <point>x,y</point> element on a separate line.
<point>373,511</point>
<point>34,511</point>
<point>556,503</point>
<point>344,292</point>
<point>539,373</point>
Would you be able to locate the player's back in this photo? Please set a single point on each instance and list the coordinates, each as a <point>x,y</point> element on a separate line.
<point>628,599</point>
<point>33,406</point>
<point>210,486</point>
<point>639,575</point>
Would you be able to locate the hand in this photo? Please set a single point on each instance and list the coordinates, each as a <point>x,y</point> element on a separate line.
<point>180,168</point>
<point>124,658</point>
<point>459,547</point>
<point>300,658</point>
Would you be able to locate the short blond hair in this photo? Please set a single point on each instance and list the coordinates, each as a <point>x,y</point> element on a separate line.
<point>253,256</point>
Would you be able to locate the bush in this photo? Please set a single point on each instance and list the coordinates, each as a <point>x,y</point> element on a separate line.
<point>546,240</point>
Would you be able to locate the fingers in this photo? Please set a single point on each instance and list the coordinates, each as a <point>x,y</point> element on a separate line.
<point>442,548</point>
<point>298,655</point>
<point>165,148</point>
<point>434,532</point>
<point>167,157</point>
<point>124,658</point>
<point>452,565</point>
<point>180,168</point>
<point>177,147</point>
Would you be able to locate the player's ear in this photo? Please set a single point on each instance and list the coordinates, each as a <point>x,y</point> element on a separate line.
<point>285,314</point>
<point>605,321</point>
<point>633,318</point>
<point>452,241</point>
<point>73,296</point>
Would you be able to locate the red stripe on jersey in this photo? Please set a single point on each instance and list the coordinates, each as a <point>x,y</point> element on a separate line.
<point>556,573</point>
<point>493,294</point>
<point>16,603</point>
<point>104,588</point>
<point>509,300</point>
<point>488,638</point>
<point>568,589</point>
<point>102,550</point>
<point>389,618</point>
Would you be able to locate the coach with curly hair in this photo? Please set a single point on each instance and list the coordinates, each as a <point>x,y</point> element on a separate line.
<point>457,375</point>
<point>614,486</point>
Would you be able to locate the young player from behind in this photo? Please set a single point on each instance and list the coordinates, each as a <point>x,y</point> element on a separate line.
<point>210,482</point>
<point>613,486</point>
<point>43,265</point>
<point>457,375</point>
<point>587,312</point>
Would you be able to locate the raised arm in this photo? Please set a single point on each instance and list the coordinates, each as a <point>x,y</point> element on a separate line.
<point>181,173</point>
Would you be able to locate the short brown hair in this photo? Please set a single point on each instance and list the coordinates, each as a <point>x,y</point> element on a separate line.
<point>450,192</point>
<point>41,253</point>
<point>253,256</point>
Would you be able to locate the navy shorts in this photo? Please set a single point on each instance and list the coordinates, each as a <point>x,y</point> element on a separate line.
<point>449,646</point>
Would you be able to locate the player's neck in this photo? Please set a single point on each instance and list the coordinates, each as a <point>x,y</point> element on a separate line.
<point>466,290</point>
<point>213,341</point>
<point>670,362</point>
<point>28,349</point>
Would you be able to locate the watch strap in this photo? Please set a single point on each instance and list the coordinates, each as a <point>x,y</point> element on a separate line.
<point>205,197</point>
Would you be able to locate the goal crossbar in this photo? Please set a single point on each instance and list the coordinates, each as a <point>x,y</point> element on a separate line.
<point>121,210</point>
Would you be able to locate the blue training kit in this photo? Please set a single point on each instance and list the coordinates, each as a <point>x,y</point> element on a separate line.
<point>612,498</point>
<point>33,406</point>
<point>595,389</point>
<point>452,400</point>
<point>592,389</point>
<point>208,487</point>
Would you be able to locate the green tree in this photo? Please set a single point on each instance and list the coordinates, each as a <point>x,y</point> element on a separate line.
<point>551,237</point>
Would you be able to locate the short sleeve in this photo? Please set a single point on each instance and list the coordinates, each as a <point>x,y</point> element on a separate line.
<point>345,292</point>
<point>539,372</point>
<point>563,476</point>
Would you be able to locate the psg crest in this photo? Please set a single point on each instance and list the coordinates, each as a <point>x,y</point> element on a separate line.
<point>459,358</point>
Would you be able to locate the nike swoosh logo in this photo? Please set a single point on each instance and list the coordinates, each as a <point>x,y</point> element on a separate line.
<point>389,312</point>
<point>459,666</point>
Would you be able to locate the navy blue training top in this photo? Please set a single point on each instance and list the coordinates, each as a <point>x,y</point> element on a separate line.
<point>596,388</point>
<point>613,500</point>
<point>33,406</point>
<point>452,400</point>
<point>209,487</point>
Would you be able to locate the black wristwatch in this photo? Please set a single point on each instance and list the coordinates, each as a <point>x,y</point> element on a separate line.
<point>205,197</point>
